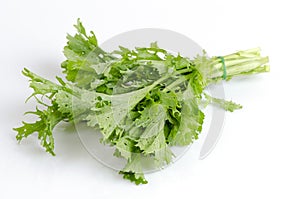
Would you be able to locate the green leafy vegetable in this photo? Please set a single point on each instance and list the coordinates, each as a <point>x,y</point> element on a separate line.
<point>142,101</point>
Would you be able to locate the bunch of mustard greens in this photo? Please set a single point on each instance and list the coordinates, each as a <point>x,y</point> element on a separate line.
<point>142,101</point>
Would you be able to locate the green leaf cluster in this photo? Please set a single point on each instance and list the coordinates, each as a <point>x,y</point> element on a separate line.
<point>143,101</point>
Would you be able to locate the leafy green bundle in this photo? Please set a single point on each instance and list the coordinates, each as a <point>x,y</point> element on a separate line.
<point>142,101</point>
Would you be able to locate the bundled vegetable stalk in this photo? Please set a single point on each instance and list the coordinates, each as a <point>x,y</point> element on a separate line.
<point>142,101</point>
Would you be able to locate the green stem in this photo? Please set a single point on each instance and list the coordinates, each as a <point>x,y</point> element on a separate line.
<point>241,63</point>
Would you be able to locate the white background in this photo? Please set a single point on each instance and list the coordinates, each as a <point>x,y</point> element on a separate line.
<point>258,155</point>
